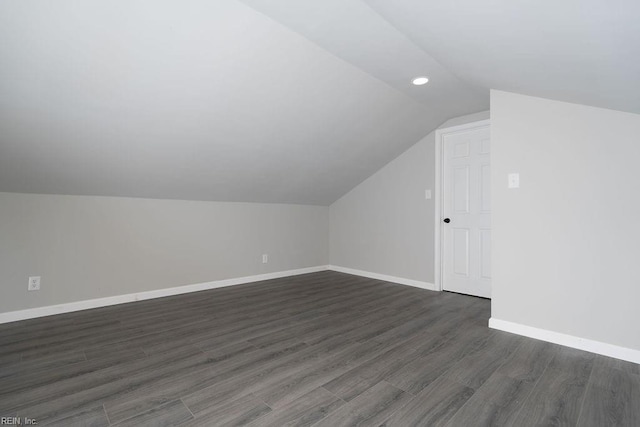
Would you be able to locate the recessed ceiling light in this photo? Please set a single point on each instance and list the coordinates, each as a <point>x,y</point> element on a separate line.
<point>419,81</point>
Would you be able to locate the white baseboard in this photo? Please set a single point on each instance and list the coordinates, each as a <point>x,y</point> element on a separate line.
<point>400,280</point>
<point>13,316</point>
<point>597,347</point>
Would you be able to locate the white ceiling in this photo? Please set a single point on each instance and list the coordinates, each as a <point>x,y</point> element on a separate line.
<point>582,51</point>
<point>354,32</point>
<point>205,100</point>
<point>274,101</point>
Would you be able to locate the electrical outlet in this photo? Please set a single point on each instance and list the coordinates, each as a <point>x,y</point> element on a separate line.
<point>265,258</point>
<point>34,283</point>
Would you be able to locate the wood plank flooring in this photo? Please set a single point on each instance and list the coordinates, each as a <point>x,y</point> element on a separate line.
<point>322,349</point>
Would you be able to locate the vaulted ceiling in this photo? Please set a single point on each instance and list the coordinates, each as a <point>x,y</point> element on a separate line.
<point>293,101</point>
<point>581,51</point>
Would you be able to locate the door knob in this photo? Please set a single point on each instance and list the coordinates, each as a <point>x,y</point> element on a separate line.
<point>447,220</point>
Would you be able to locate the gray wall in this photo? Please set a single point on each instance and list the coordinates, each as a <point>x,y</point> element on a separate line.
<point>566,243</point>
<point>385,225</point>
<point>91,247</point>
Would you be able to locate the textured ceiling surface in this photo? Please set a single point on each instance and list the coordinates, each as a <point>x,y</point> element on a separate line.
<point>275,101</point>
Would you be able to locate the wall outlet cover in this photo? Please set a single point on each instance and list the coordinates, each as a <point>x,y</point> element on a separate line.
<point>34,283</point>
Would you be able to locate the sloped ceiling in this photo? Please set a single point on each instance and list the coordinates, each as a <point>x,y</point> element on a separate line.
<point>581,51</point>
<point>197,99</point>
<point>354,32</point>
<point>292,101</point>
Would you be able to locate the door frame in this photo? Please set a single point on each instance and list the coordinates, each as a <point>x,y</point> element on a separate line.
<point>439,192</point>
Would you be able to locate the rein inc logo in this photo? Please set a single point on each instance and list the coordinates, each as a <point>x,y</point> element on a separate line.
<point>17,421</point>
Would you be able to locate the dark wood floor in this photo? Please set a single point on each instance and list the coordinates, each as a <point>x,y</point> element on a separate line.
<point>323,349</point>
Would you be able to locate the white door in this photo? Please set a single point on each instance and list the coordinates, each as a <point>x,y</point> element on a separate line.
<point>466,226</point>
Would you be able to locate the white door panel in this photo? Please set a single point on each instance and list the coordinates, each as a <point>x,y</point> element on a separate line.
<point>460,251</point>
<point>466,250</point>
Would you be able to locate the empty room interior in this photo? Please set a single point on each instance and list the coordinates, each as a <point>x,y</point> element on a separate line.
<point>330,213</point>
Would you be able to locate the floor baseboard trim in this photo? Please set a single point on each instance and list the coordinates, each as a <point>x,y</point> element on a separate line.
<point>597,347</point>
<point>386,278</point>
<point>31,313</point>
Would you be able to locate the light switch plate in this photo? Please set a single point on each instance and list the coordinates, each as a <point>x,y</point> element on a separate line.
<point>513,180</point>
<point>427,194</point>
